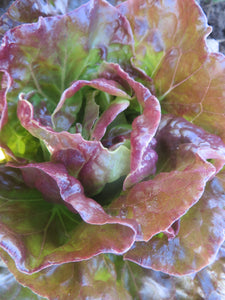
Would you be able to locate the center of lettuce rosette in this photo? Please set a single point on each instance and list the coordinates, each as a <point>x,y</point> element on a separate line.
<point>101,131</point>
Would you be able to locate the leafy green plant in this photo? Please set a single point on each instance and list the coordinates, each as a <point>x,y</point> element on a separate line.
<point>112,128</point>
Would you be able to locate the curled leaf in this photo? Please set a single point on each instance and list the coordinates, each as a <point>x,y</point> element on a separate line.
<point>156,204</point>
<point>37,233</point>
<point>166,40</point>
<point>89,160</point>
<point>192,249</point>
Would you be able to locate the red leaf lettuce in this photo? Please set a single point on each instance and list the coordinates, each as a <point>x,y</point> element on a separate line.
<point>112,136</point>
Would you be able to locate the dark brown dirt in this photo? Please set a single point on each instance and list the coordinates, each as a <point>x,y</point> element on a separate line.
<point>4,4</point>
<point>215,11</point>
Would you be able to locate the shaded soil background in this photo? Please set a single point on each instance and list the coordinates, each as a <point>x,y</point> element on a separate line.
<point>214,9</point>
<point>4,4</point>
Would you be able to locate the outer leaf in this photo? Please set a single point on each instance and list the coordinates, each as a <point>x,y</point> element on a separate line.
<point>108,276</point>
<point>148,284</point>
<point>54,183</point>
<point>5,85</point>
<point>197,243</point>
<point>166,40</point>
<point>172,50</point>
<point>24,11</point>
<point>156,204</point>
<point>94,279</point>
<point>200,99</point>
<point>44,72</point>
<point>40,234</point>
<point>60,62</point>
<point>176,134</point>
<point>11,289</point>
<point>211,279</point>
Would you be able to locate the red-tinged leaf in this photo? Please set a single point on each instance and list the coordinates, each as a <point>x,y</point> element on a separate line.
<point>116,107</point>
<point>53,181</point>
<point>18,142</point>
<point>143,155</point>
<point>172,50</point>
<point>93,164</point>
<point>5,81</point>
<point>156,204</point>
<point>144,127</point>
<point>91,113</point>
<point>177,134</point>
<point>11,289</point>
<point>211,279</point>
<point>116,135</point>
<point>200,99</point>
<point>112,81</point>
<point>65,112</point>
<point>24,11</point>
<point>38,234</point>
<point>198,241</point>
<point>105,167</point>
<point>135,282</point>
<point>148,284</point>
<point>145,283</point>
<point>48,69</point>
<point>169,40</point>
<point>91,279</point>
<point>110,275</point>
<point>43,71</point>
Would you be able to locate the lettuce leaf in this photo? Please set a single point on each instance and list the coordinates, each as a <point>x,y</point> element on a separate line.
<point>43,73</point>
<point>112,139</point>
<point>192,248</point>
<point>165,40</point>
<point>172,50</point>
<point>110,276</point>
<point>40,234</point>
<point>11,289</point>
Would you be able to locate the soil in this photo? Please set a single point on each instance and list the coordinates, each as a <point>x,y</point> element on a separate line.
<point>4,4</point>
<point>214,9</point>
